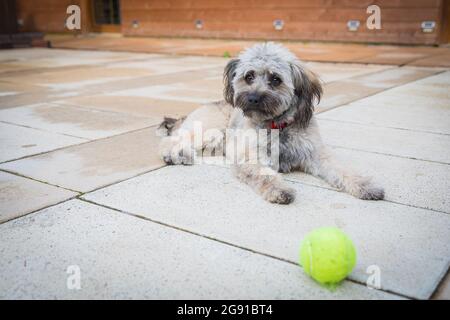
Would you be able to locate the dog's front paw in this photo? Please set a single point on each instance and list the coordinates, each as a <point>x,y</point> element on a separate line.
<point>184,157</point>
<point>167,159</point>
<point>280,195</point>
<point>178,156</point>
<point>367,191</point>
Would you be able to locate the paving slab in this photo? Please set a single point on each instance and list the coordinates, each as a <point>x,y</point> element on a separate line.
<point>343,92</point>
<point>412,182</point>
<point>8,88</point>
<point>439,60</point>
<point>423,105</point>
<point>19,196</point>
<point>154,80</point>
<point>397,142</point>
<point>11,67</point>
<point>88,43</point>
<point>330,72</point>
<point>74,78</point>
<point>340,93</point>
<point>95,164</point>
<point>7,93</point>
<point>123,257</point>
<point>17,142</point>
<point>14,55</point>
<point>57,58</point>
<point>220,49</point>
<point>170,64</point>
<point>404,242</point>
<point>397,55</point>
<point>137,106</point>
<point>74,121</point>
<point>322,52</point>
<point>30,98</point>
<point>351,52</point>
<point>89,57</point>
<point>16,94</point>
<point>397,76</point>
<point>210,47</point>
<point>176,92</point>
<point>212,84</point>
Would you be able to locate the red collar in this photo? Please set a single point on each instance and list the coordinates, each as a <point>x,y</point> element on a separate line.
<point>280,126</point>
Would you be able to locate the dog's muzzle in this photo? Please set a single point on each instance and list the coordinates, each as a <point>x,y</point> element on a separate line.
<point>254,102</point>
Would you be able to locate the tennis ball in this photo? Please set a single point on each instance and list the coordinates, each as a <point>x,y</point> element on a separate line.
<point>327,255</point>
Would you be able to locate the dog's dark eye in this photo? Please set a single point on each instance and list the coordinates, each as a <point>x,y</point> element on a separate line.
<point>275,81</point>
<point>249,77</point>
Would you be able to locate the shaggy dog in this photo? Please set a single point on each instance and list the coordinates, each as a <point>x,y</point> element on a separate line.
<point>266,88</point>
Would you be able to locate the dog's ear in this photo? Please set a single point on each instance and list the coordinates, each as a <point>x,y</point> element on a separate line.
<point>308,91</point>
<point>228,75</point>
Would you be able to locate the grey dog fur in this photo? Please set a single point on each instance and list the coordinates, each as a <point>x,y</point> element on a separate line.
<point>290,100</point>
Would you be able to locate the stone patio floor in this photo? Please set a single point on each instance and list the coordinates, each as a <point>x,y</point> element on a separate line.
<point>81,185</point>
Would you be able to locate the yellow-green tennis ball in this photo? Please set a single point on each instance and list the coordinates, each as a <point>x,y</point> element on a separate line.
<point>327,255</point>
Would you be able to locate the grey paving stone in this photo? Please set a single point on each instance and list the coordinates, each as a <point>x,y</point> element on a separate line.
<point>339,93</point>
<point>122,257</point>
<point>411,246</point>
<point>171,64</point>
<point>138,106</point>
<point>330,72</point>
<point>27,97</point>
<point>398,76</point>
<point>176,92</point>
<point>19,196</point>
<point>154,80</point>
<point>38,57</point>
<point>421,105</point>
<point>74,121</point>
<point>398,142</point>
<point>17,142</point>
<point>95,164</point>
<point>413,182</point>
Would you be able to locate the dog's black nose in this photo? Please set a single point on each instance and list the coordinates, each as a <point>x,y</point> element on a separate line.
<point>253,98</point>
